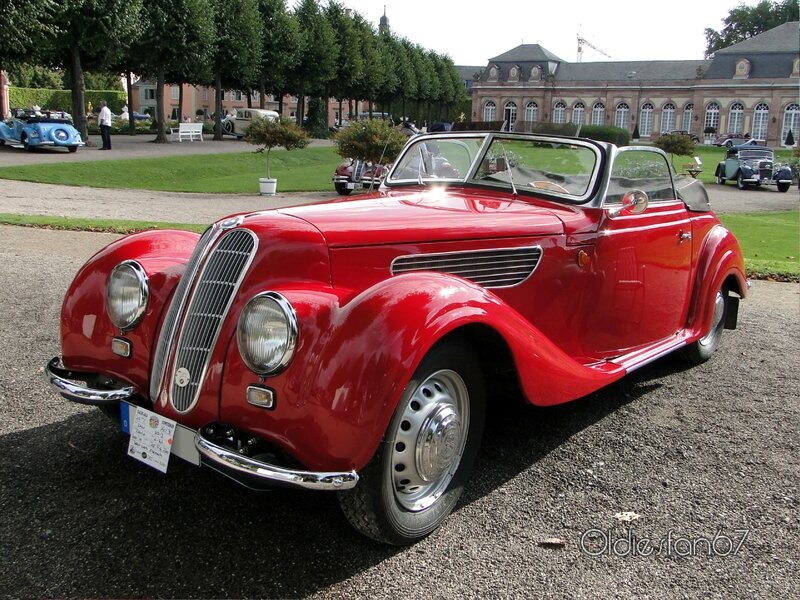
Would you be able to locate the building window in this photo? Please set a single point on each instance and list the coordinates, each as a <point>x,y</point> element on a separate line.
<point>760,120</point>
<point>712,117</point>
<point>646,120</point>
<point>791,122</point>
<point>489,111</point>
<point>205,94</point>
<point>559,113</point>
<point>578,112</point>
<point>621,116</point>
<point>668,117</point>
<point>687,116</point>
<point>149,93</point>
<point>174,92</point>
<point>736,118</point>
<point>238,95</point>
<point>510,115</point>
<point>598,113</point>
<point>532,112</point>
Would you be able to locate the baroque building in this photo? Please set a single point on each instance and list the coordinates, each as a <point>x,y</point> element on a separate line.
<point>752,87</point>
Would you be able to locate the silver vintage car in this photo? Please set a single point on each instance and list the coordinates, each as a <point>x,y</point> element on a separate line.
<point>753,165</point>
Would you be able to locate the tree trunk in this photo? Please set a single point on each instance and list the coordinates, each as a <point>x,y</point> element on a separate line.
<point>262,93</point>
<point>218,106</point>
<point>78,93</point>
<point>301,105</point>
<point>249,99</point>
<point>180,103</point>
<point>129,86</point>
<point>3,95</point>
<point>161,130</point>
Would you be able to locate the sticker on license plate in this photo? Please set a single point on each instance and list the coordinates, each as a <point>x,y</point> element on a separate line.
<point>152,436</point>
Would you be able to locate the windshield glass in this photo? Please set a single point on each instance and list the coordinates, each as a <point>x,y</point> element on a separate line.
<point>515,163</point>
<point>755,154</point>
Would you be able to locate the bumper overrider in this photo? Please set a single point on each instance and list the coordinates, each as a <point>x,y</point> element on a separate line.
<point>212,443</point>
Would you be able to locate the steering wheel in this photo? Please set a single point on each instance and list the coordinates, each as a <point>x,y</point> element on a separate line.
<point>549,185</point>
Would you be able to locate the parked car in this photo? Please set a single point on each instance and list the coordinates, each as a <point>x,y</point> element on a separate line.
<point>31,129</point>
<point>731,139</point>
<point>356,175</point>
<point>753,165</point>
<point>356,345</point>
<point>694,137</point>
<point>237,123</point>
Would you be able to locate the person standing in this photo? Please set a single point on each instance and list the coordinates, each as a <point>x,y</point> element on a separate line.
<point>104,120</point>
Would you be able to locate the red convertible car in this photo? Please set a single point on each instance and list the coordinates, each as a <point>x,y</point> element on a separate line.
<point>349,346</point>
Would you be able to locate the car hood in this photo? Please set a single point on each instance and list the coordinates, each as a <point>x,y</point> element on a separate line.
<point>424,216</point>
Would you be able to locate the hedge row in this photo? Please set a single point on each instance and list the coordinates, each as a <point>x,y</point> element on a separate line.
<point>62,99</point>
<point>605,133</point>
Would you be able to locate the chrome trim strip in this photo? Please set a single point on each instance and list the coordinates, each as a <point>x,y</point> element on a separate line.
<point>236,465</point>
<point>514,265</point>
<point>67,384</point>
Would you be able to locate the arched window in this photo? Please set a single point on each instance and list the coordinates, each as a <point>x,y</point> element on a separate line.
<point>490,111</point>
<point>598,113</point>
<point>622,115</point>
<point>760,120</point>
<point>510,115</point>
<point>688,111</point>
<point>712,117</point>
<point>532,112</point>
<point>559,113</point>
<point>578,112</point>
<point>646,120</point>
<point>668,117</point>
<point>736,118</point>
<point>791,122</point>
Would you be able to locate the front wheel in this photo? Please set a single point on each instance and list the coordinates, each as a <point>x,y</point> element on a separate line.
<point>784,187</point>
<point>721,179</point>
<point>72,148</point>
<point>740,182</point>
<point>418,473</point>
<point>700,351</point>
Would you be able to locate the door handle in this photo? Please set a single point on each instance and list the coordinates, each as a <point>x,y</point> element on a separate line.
<point>685,236</point>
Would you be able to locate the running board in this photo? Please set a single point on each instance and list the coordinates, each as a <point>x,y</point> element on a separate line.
<point>640,358</point>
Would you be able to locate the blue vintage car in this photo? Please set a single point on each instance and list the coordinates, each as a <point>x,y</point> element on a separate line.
<point>753,165</point>
<point>31,129</point>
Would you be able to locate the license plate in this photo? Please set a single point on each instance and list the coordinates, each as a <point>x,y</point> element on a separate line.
<point>154,438</point>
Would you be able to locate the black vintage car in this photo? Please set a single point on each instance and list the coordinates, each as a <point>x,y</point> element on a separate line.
<point>753,165</point>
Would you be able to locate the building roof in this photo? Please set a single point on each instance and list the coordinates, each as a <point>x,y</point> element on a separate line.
<point>783,38</point>
<point>526,53</point>
<point>642,70</point>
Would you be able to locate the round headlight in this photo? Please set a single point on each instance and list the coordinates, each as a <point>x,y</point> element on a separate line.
<point>267,333</point>
<point>126,294</point>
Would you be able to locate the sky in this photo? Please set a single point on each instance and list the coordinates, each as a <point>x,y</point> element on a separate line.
<point>472,32</point>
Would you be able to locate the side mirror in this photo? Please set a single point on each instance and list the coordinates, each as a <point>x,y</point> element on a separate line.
<point>633,203</point>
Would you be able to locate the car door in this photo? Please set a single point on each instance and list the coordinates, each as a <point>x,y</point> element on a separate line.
<point>642,267</point>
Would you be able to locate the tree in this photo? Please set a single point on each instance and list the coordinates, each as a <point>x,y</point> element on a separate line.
<point>789,139</point>
<point>176,41</point>
<point>318,54</point>
<point>277,133</point>
<point>28,75</point>
<point>93,34</point>
<point>33,22</point>
<point>744,22</point>
<point>278,48</point>
<point>237,55</point>
<point>350,66</point>
<point>373,140</point>
<point>676,143</point>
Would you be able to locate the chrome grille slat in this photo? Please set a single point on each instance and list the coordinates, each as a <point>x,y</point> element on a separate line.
<point>210,300</point>
<point>503,267</point>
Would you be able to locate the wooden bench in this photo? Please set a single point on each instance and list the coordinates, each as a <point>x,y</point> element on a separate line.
<point>187,131</point>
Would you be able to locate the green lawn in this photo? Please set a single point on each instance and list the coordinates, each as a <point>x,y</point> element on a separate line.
<point>770,241</point>
<point>306,170</point>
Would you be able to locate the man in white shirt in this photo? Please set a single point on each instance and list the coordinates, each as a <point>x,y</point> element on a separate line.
<point>104,120</point>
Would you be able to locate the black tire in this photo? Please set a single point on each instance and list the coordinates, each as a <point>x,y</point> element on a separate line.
<point>784,187</point>
<point>72,149</point>
<point>740,182</point>
<point>342,189</point>
<point>721,179</point>
<point>700,351</point>
<point>25,145</point>
<point>728,144</point>
<point>401,497</point>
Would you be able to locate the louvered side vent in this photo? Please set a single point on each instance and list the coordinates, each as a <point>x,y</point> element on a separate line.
<point>498,268</point>
<point>212,296</point>
<point>175,309</point>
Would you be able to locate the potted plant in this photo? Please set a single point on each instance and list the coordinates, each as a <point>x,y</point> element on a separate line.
<point>274,133</point>
<point>709,135</point>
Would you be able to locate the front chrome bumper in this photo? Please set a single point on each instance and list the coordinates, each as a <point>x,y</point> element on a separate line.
<point>259,474</point>
<point>86,388</point>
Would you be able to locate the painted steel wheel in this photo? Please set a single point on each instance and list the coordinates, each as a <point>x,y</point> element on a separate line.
<point>415,479</point>
<point>701,350</point>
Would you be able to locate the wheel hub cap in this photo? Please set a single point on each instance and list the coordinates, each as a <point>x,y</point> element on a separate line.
<point>438,442</point>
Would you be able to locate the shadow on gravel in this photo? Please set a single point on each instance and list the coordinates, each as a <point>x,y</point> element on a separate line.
<point>82,520</point>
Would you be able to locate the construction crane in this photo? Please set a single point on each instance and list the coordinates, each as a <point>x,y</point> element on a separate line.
<point>584,42</point>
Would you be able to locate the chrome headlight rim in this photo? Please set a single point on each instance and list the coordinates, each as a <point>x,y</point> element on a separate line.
<point>290,318</point>
<point>144,295</point>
